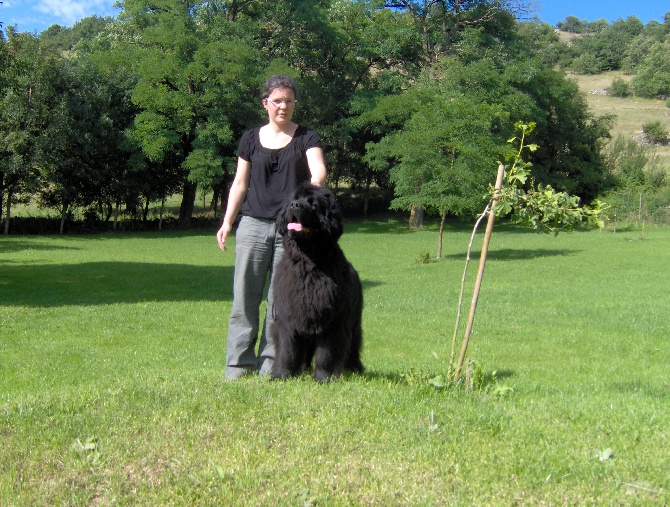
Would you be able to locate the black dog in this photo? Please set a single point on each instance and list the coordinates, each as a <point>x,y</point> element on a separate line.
<point>318,298</point>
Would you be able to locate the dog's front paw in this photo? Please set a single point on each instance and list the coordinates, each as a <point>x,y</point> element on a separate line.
<point>324,376</point>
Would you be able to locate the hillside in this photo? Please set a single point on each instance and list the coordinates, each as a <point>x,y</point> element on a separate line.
<point>631,112</point>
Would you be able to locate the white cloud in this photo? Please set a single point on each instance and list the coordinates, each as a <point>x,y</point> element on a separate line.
<point>67,10</point>
<point>70,11</point>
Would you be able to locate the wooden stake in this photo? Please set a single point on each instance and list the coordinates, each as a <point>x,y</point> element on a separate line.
<point>480,271</point>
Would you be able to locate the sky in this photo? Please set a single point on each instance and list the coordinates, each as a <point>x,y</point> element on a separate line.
<point>37,15</point>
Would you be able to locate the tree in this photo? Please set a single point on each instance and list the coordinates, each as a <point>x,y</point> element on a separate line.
<point>440,22</point>
<point>377,51</point>
<point>124,164</point>
<point>60,38</point>
<point>178,82</point>
<point>466,29</point>
<point>626,160</point>
<point>569,136</point>
<point>536,206</point>
<point>603,49</point>
<point>76,137</point>
<point>655,132</point>
<point>455,116</point>
<point>638,171</point>
<point>586,63</point>
<point>19,60</point>
<point>437,160</point>
<point>572,24</point>
<point>191,81</point>
<point>653,75</point>
<point>543,41</point>
<point>636,52</point>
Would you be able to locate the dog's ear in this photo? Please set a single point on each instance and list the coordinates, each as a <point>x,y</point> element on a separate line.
<point>333,217</point>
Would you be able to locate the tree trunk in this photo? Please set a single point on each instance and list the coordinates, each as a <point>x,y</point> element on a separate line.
<point>117,207</point>
<point>106,210</point>
<point>8,213</point>
<point>366,196</point>
<point>62,218</point>
<point>439,241</point>
<point>145,211</point>
<point>214,203</point>
<point>416,217</point>
<point>160,216</point>
<point>2,195</point>
<point>187,204</point>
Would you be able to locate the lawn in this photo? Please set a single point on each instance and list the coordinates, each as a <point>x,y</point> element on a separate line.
<point>112,389</point>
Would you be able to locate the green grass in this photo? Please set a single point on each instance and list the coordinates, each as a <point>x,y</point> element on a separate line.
<point>112,390</point>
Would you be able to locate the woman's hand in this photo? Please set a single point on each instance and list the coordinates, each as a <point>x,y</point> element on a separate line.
<point>236,196</point>
<point>221,236</point>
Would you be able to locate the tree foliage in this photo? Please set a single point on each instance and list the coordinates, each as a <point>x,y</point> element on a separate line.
<point>653,74</point>
<point>453,122</point>
<point>18,121</point>
<point>535,205</point>
<point>415,97</point>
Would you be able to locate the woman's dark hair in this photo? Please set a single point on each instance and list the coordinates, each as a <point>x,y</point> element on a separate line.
<point>274,82</point>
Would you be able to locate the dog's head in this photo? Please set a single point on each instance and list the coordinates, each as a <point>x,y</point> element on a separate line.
<point>312,213</point>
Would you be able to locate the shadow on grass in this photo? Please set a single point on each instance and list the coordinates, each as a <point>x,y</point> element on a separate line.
<point>368,284</point>
<point>660,392</point>
<point>510,254</point>
<point>380,225</point>
<point>7,247</point>
<point>103,283</point>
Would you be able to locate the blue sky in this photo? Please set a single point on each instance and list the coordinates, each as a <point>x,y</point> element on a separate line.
<point>37,15</point>
<point>553,11</point>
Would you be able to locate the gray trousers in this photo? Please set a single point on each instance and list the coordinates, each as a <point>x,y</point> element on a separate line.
<point>258,249</point>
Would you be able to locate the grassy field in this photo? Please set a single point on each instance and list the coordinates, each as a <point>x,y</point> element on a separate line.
<point>112,389</point>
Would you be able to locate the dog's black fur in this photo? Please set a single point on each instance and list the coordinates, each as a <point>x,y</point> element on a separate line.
<point>318,298</point>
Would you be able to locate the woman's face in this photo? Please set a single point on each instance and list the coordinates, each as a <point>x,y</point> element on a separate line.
<point>280,105</point>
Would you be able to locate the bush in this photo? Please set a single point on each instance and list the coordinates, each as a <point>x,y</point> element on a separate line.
<point>626,161</point>
<point>630,205</point>
<point>586,64</point>
<point>653,74</point>
<point>655,132</point>
<point>619,88</point>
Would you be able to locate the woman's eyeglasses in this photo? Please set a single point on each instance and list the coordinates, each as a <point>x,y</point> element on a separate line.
<point>277,103</point>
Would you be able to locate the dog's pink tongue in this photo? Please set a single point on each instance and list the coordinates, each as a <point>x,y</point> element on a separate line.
<point>294,227</point>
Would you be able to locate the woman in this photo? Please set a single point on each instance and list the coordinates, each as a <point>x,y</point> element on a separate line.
<point>272,161</point>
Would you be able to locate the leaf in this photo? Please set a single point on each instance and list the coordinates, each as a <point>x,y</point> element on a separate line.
<point>432,425</point>
<point>502,390</point>
<point>604,455</point>
<point>219,472</point>
<point>503,209</point>
<point>90,444</point>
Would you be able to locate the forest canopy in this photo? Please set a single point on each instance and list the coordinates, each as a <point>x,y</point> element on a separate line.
<point>413,99</point>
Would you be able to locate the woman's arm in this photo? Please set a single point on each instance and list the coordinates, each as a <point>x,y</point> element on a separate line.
<point>317,167</point>
<point>236,196</point>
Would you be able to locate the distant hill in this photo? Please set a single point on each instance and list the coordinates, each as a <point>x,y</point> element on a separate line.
<point>631,112</point>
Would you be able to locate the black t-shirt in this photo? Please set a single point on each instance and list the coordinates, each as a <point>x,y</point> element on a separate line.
<point>275,173</point>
